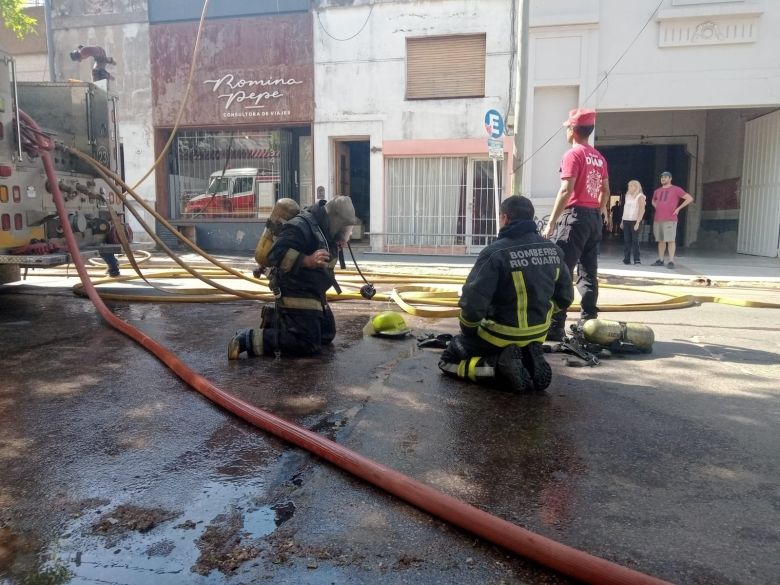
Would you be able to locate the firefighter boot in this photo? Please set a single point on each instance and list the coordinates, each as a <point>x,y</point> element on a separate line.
<point>510,368</point>
<point>557,329</point>
<point>241,342</point>
<point>537,366</point>
<point>268,316</point>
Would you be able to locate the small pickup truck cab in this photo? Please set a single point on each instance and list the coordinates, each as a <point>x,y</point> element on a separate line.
<point>247,192</point>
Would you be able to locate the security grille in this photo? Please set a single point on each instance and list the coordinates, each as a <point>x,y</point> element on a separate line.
<point>197,155</point>
<point>439,205</point>
<point>483,214</point>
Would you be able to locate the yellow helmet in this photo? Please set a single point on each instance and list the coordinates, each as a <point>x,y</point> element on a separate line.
<point>387,324</point>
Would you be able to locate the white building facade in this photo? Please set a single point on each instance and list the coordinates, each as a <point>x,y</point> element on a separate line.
<point>401,92</point>
<point>121,28</point>
<point>688,86</point>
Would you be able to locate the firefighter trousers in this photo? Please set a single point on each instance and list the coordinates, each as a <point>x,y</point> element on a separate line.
<point>294,332</point>
<point>578,234</point>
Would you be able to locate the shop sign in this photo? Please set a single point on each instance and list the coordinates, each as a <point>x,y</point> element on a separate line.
<point>253,95</point>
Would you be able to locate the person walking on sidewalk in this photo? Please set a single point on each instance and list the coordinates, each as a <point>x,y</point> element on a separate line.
<point>631,222</point>
<point>668,200</point>
<point>575,221</point>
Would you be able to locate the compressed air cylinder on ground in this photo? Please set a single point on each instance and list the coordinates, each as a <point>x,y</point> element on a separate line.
<point>613,334</point>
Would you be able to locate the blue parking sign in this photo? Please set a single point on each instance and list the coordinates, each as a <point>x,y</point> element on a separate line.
<point>494,124</point>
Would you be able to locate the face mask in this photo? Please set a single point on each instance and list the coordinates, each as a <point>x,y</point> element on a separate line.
<point>344,235</point>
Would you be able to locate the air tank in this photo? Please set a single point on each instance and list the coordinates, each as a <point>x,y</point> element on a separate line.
<point>284,210</point>
<point>616,333</point>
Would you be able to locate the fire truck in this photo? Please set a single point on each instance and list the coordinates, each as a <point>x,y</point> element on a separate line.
<point>81,115</point>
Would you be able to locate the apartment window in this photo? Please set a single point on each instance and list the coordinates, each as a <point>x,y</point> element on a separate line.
<point>451,66</point>
<point>440,204</point>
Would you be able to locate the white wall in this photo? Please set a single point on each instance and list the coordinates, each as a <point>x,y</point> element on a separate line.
<point>551,104</point>
<point>701,72</point>
<point>128,44</point>
<point>710,55</point>
<point>32,67</point>
<point>725,143</point>
<point>360,83</point>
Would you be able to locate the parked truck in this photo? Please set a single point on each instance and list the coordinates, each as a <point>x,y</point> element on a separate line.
<point>81,115</point>
<point>245,192</point>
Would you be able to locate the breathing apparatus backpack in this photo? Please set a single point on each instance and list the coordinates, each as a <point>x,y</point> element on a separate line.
<point>284,210</point>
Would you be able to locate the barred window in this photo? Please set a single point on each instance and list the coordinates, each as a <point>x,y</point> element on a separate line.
<point>439,204</point>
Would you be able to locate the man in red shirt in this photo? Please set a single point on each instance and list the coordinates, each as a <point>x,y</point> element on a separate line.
<point>668,200</point>
<point>575,222</point>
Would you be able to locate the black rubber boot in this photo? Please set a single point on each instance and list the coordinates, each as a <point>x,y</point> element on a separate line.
<point>557,329</point>
<point>537,366</point>
<point>241,342</point>
<point>267,316</point>
<point>510,368</point>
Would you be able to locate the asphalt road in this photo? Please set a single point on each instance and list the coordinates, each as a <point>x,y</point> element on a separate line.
<point>114,471</point>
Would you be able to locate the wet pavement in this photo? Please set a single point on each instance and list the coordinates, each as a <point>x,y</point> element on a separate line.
<point>114,471</point>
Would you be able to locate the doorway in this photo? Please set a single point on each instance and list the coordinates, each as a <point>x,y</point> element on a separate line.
<point>645,163</point>
<point>352,176</point>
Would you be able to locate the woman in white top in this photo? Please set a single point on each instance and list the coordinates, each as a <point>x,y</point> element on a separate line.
<point>633,212</point>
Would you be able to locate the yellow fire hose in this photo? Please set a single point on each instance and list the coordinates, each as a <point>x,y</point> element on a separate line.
<point>433,296</point>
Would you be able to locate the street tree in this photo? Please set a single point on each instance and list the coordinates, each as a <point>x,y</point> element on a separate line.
<point>14,17</point>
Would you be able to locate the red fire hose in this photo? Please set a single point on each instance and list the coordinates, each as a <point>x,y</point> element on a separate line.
<point>561,558</point>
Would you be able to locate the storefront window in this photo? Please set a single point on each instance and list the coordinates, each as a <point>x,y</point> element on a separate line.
<point>224,174</point>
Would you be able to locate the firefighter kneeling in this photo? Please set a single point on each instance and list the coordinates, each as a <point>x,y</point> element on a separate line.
<point>515,286</point>
<point>302,259</point>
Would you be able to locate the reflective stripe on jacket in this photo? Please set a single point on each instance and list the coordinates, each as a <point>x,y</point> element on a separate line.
<point>517,283</point>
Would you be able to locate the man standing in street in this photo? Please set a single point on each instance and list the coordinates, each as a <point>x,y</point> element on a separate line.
<point>516,283</point>
<point>668,200</point>
<point>575,221</point>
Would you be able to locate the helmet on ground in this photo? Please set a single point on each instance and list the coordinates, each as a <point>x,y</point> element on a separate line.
<point>387,324</point>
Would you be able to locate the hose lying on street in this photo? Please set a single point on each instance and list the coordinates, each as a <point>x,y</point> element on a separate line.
<point>407,297</point>
<point>545,551</point>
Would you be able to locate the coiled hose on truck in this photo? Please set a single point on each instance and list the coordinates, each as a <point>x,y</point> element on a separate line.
<point>557,556</point>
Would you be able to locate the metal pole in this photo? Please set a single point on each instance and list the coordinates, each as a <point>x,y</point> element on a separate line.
<point>17,119</point>
<point>521,97</point>
<point>49,37</point>
<point>495,193</point>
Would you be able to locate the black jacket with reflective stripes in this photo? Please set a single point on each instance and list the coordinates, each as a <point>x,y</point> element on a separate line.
<point>303,235</point>
<point>515,286</point>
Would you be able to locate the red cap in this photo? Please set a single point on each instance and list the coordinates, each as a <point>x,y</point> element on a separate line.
<point>581,117</point>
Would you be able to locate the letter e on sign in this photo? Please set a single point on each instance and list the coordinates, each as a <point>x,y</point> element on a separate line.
<point>494,124</point>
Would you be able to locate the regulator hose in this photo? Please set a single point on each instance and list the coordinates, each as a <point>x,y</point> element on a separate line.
<point>367,291</point>
<point>557,556</point>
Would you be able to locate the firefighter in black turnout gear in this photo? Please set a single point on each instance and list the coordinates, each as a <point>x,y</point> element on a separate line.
<point>302,260</point>
<point>515,286</point>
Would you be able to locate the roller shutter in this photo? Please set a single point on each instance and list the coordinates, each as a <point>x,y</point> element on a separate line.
<point>451,66</point>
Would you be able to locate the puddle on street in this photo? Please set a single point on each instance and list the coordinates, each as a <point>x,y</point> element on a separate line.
<point>165,554</point>
<point>259,523</point>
